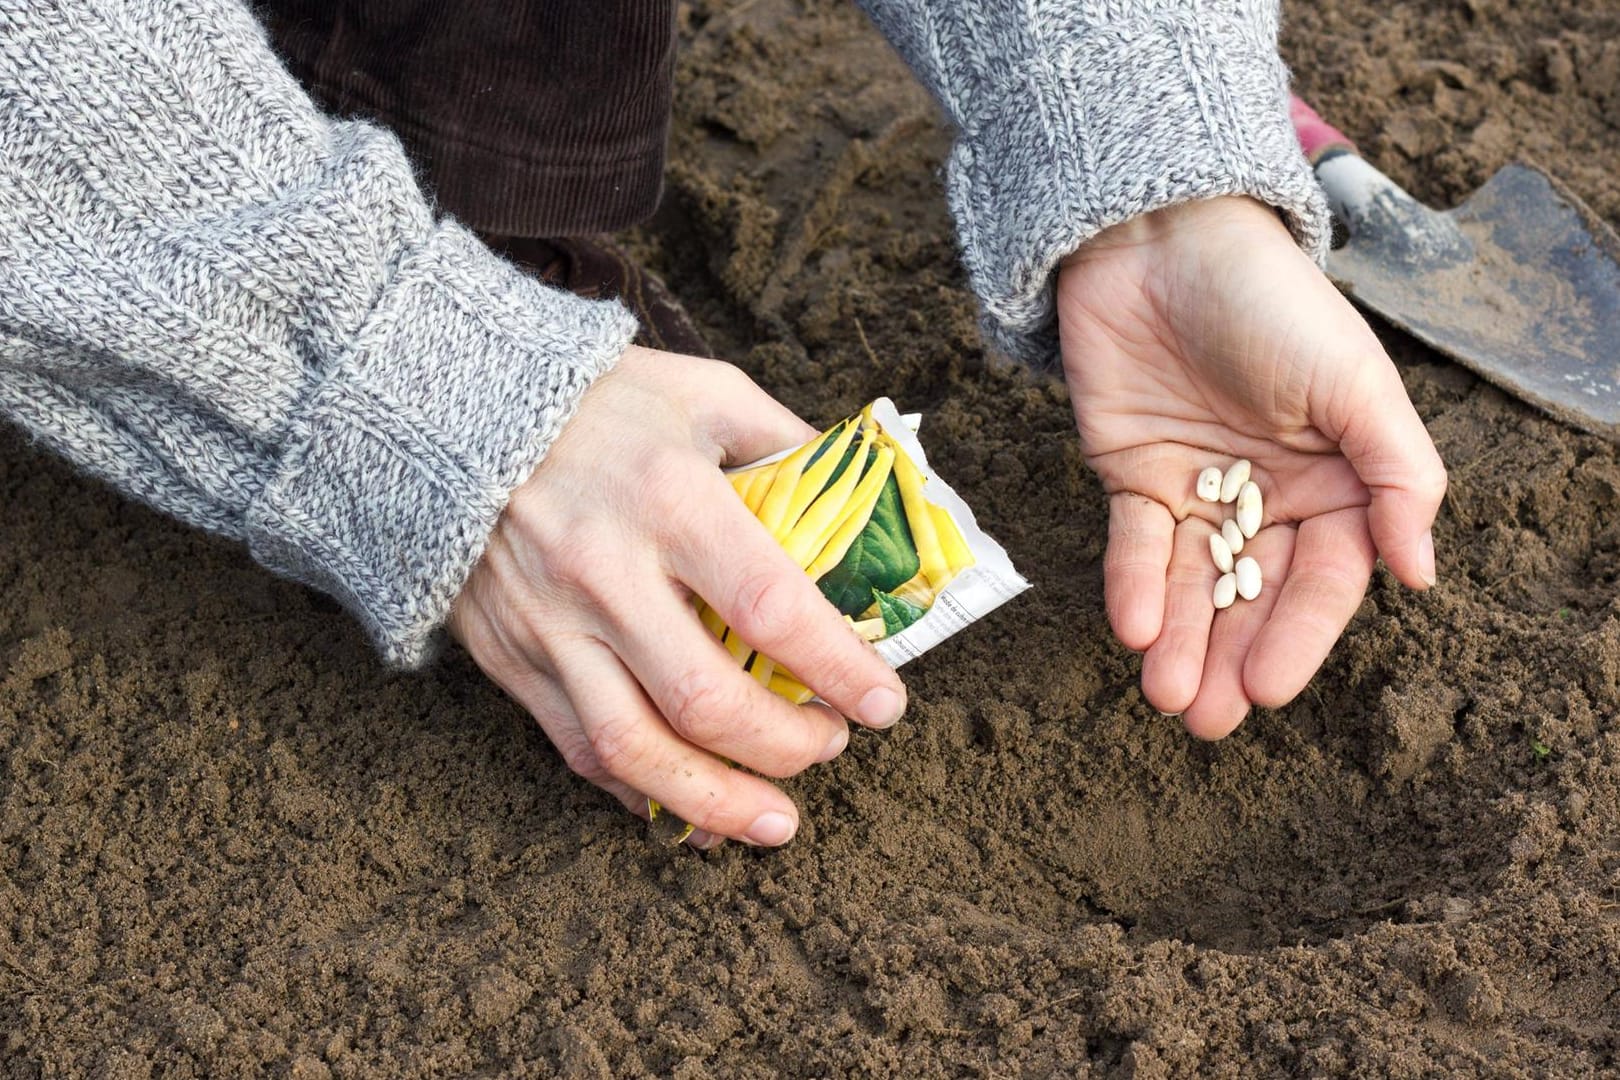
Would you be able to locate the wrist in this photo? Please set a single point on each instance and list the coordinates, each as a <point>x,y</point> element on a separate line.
<point>1221,211</point>
<point>397,464</point>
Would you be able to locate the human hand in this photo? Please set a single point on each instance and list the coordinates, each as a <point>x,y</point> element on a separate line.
<point>581,608</point>
<point>1200,334</point>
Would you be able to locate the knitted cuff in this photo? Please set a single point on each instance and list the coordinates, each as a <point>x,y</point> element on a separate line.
<point>1117,121</point>
<point>402,458</point>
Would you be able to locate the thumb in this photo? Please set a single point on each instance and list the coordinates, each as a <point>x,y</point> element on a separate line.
<point>1383,438</point>
<point>743,422</point>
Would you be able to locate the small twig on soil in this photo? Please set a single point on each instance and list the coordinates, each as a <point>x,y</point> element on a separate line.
<point>1387,905</point>
<point>1480,462</point>
<point>799,241</point>
<point>31,982</point>
<point>1052,1004</point>
<point>1457,511</point>
<point>866,345</point>
<point>1504,579</point>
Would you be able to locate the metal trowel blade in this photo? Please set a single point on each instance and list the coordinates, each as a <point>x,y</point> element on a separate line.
<point>1522,286</point>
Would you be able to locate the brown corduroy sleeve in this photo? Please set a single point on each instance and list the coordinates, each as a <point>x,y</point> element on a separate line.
<point>528,119</point>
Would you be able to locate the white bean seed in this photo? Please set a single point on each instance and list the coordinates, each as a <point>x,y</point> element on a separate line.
<point>1249,508</point>
<point>1247,578</point>
<point>1221,552</point>
<point>1234,479</point>
<point>1225,591</point>
<point>1232,535</point>
<point>1209,484</point>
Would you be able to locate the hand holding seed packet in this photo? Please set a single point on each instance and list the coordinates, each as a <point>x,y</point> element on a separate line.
<point>891,546</point>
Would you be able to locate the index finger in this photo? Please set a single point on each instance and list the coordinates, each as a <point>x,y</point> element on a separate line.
<point>707,697</point>
<point>1383,437</point>
<point>728,558</point>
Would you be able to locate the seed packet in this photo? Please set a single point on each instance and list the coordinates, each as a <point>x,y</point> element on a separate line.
<point>891,546</point>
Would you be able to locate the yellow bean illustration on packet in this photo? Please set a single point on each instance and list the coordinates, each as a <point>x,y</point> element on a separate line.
<point>891,546</point>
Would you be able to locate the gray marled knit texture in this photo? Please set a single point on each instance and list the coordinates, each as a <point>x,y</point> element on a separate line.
<point>245,314</point>
<point>1074,115</point>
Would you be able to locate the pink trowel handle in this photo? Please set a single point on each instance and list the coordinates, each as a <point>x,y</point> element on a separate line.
<point>1316,136</point>
<point>1369,204</point>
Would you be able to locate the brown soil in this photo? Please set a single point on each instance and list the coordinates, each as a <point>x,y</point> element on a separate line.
<point>231,844</point>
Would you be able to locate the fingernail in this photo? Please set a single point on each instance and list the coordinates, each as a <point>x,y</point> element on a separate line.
<point>703,841</point>
<point>836,746</point>
<point>1426,557</point>
<point>771,829</point>
<point>1169,715</point>
<point>881,708</point>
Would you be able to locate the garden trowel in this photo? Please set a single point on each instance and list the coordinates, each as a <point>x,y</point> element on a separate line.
<point>1520,283</point>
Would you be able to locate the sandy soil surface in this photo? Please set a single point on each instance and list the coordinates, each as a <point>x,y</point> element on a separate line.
<point>230,844</point>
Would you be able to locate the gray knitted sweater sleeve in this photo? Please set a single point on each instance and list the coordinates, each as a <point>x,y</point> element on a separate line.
<point>244,313</point>
<point>1074,115</point>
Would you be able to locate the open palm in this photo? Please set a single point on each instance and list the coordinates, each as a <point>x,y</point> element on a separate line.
<point>1199,335</point>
